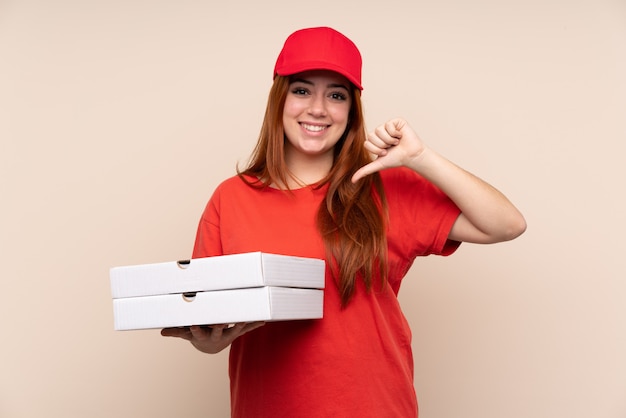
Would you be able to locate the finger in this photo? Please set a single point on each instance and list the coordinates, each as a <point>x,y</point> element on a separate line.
<point>378,139</point>
<point>376,150</point>
<point>394,127</point>
<point>366,170</point>
<point>251,326</point>
<point>383,137</point>
<point>180,332</point>
<point>217,331</point>
<point>237,328</point>
<point>241,328</point>
<point>200,333</point>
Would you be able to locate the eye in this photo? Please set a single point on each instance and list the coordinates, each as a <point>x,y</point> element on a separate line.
<point>337,95</point>
<point>299,91</point>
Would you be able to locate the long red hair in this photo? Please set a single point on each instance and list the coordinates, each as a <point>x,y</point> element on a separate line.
<point>352,218</point>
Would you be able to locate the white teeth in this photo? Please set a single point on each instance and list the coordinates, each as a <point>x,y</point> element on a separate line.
<point>313,128</point>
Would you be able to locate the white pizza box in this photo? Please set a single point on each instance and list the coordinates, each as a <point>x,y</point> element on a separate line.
<point>254,269</point>
<point>266,303</point>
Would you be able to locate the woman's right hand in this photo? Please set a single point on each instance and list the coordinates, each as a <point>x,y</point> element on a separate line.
<point>211,339</point>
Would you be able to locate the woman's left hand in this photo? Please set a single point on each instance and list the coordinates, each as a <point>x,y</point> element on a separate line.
<point>487,215</point>
<point>394,144</point>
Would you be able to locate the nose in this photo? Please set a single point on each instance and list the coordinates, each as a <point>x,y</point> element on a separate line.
<point>317,106</point>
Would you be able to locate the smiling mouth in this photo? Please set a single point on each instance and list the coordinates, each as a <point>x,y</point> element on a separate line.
<point>313,128</point>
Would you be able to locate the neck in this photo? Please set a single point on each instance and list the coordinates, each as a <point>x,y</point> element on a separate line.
<point>307,170</point>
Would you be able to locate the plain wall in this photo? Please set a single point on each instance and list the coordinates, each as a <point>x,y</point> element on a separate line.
<point>118,119</point>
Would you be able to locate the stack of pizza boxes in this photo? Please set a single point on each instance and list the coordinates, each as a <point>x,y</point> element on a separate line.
<point>227,289</point>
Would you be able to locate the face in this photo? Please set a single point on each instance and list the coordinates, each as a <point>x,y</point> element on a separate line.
<point>316,113</point>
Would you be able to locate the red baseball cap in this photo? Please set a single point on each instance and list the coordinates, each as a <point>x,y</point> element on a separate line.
<point>320,48</point>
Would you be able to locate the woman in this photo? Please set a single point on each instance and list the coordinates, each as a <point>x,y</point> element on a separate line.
<point>313,190</point>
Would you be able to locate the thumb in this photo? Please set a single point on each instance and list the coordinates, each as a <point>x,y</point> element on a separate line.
<point>366,170</point>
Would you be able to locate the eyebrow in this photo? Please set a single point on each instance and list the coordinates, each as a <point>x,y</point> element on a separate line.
<point>331,85</point>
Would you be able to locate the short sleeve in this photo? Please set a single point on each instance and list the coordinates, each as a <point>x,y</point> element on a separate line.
<point>420,215</point>
<point>208,238</point>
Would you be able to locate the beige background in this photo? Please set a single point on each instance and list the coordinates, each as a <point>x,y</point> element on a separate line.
<point>118,118</point>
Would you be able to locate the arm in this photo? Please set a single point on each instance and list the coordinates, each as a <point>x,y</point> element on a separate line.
<point>487,216</point>
<point>214,338</point>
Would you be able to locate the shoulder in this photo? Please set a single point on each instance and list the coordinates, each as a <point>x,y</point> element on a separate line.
<point>234,184</point>
<point>226,190</point>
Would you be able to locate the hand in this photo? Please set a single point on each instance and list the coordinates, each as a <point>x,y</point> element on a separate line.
<point>394,144</point>
<point>211,339</point>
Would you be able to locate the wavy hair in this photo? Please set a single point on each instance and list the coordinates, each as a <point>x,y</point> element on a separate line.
<point>352,217</point>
